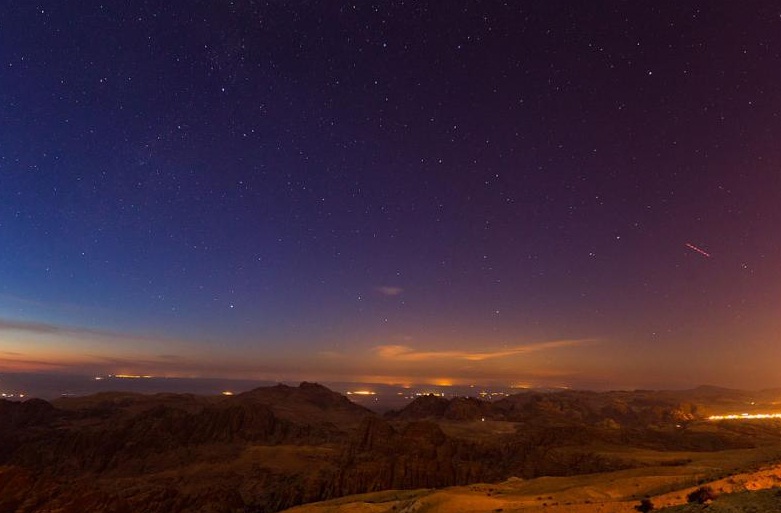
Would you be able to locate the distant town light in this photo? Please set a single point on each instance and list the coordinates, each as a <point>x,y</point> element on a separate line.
<point>746,416</point>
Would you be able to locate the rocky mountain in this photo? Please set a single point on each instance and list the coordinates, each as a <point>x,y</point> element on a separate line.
<point>275,447</point>
<point>592,408</point>
<point>431,406</point>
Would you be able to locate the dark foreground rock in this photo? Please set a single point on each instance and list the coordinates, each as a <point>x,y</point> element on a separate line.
<point>276,447</point>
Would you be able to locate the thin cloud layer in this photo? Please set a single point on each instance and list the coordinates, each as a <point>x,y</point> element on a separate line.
<point>34,327</point>
<point>409,354</point>
<point>43,328</point>
<point>390,291</point>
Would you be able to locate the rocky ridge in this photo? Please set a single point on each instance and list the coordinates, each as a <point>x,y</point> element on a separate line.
<point>275,447</point>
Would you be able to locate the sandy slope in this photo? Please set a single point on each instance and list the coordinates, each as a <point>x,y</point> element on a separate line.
<point>614,492</point>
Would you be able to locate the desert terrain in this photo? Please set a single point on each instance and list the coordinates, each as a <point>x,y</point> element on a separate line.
<point>312,450</point>
<point>612,492</point>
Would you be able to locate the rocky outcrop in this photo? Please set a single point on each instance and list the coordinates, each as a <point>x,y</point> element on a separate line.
<point>419,455</point>
<point>423,407</point>
<point>436,407</point>
<point>16,415</point>
<point>275,447</point>
<point>591,408</point>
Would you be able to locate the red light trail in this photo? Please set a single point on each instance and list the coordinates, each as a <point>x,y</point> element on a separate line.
<point>698,250</point>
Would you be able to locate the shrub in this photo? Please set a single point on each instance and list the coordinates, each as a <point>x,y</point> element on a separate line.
<point>701,495</point>
<point>645,506</point>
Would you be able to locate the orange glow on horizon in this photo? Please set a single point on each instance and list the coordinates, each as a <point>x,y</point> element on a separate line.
<point>361,392</point>
<point>746,416</point>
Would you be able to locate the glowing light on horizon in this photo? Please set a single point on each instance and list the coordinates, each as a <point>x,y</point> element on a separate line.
<point>227,392</point>
<point>423,394</point>
<point>746,416</point>
<point>488,394</point>
<point>361,392</point>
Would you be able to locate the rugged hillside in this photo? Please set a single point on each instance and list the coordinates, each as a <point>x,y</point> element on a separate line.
<point>431,406</point>
<point>125,452</point>
<point>649,488</point>
<point>624,408</point>
<point>275,447</point>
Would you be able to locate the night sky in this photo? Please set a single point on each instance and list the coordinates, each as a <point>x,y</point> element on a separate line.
<point>535,193</point>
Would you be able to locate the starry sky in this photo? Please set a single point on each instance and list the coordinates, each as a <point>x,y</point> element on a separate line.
<point>538,193</point>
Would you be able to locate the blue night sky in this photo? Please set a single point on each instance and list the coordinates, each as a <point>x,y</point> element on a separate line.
<point>545,193</point>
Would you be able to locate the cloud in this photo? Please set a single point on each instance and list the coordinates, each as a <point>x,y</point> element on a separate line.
<point>43,328</point>
<point>30,327</point>
<point>22,364</point>
<point>390,291</point>
<point>409,354</point>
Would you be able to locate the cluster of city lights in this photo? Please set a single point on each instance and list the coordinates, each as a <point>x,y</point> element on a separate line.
<point>124,376</point>
<point>746,416</point>
<point>492,395</point>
